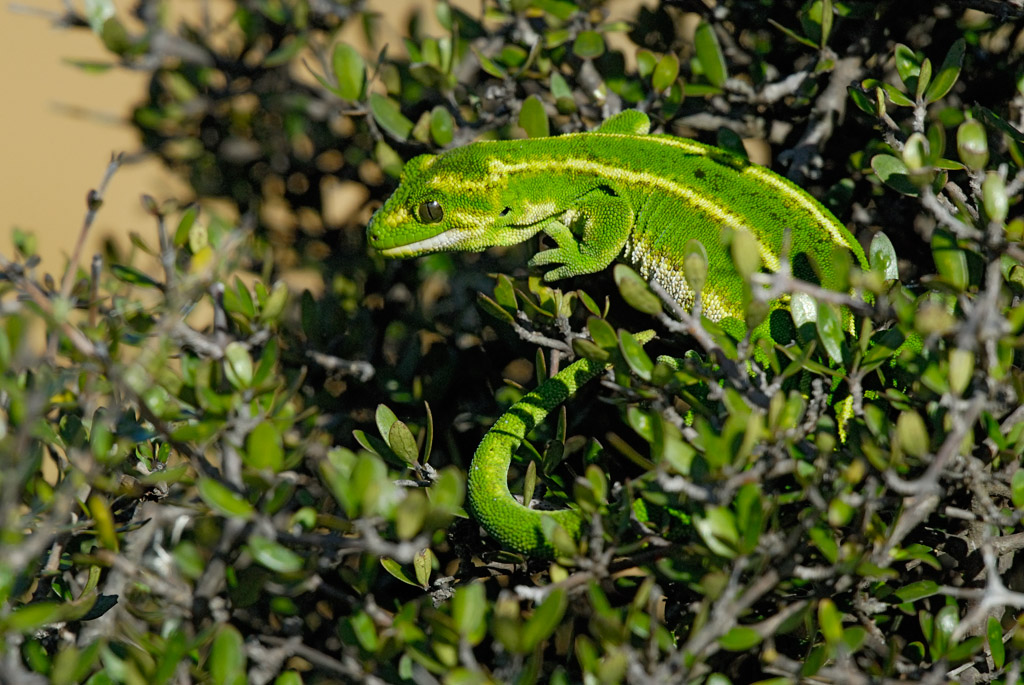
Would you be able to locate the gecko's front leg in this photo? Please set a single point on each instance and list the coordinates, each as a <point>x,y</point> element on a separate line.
<point>592,234</point>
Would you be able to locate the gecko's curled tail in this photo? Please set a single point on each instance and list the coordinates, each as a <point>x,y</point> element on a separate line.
<point>516,526</point>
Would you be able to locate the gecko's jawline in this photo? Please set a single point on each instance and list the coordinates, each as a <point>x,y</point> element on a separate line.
<point>437,243</point>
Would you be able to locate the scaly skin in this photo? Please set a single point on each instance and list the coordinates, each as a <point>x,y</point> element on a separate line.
<point>614,192</point>
<point>490,501</point>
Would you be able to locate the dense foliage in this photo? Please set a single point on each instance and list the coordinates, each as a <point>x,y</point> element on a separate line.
<point>208,475</point>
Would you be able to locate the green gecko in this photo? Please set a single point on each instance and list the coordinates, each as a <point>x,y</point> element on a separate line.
<point>616,192</point>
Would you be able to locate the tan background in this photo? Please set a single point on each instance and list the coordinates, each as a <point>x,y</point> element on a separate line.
<point>59,125</point>
<point>58,128</point>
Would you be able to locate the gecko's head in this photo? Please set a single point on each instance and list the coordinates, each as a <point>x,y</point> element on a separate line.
<point>445,203</point>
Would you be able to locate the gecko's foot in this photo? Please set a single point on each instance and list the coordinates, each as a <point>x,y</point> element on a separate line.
<point>571,263</point>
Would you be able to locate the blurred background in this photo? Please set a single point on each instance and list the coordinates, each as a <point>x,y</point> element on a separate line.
<point>61,122</point>
<point>60,126</point>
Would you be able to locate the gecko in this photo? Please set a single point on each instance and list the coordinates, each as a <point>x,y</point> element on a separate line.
<point>618,192</point>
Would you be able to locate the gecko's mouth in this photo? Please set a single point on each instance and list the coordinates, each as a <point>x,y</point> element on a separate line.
<point>449,240</point>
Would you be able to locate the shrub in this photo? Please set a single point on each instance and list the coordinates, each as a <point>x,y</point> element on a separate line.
<point>207,475</point>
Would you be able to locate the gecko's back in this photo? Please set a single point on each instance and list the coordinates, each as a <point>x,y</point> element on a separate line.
<point>608,193</point>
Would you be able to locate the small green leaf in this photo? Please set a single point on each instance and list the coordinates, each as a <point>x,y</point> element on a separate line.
<point>646,61</point>
<point>30,617</point>
<point>410,517</point>
<point>994,120</point>
<point>422,564</point>
<point>104,520</point>
<point>602,333</point>
<point>946,621</point>
<point>401,441</point>
<point>589,303</point>
<point>635,291</point>
<point>90,66</point>
<point>389,117</point>
<point>274,555</point>
<point>961,368</point>
<point>924,78</point>
<point>749,516</point>
<point>238,364</point>
<point>717,528</point>
<point>803,309</point>
<point>469,609</point>
<point>915,152</point>
<point>389,160</point>
<point>264,447</point>
<point>972,144</point>
<point>1017,488</point>
<point>695,264</point>
<point>908,65</point>
<point>588,45</point>
<point>428,438</point>
<point>893,173</point>
<point>814,660</point>
<point>729,140</point>
<point>918,590</point>
<point>936,134</point>
<point>442,126</point>
<point>545,619</point>
<point>598,482</point>
<point>740,639</point>
<point>227,660</point>
<point>288,678</point>
<point>793,35</point>
<point>861,100</point>
<point>533,118</point>
<point>826,544</point>
<point>634,354</point>
<point>830,621</point>
<point>559,88</point>
<point>993,193</point>
<point>830,331</point>
<point>642,421</point>
<point>709,52</point>
<point>505,293</point>
<point>133,276</point>
<point>746,255</point>
<point>898,97</point>
<point>115,37</point>
<point>585,348</point>
<point>494,309</point>
<point>290,47</point>
<point>948,72</point>
<point>530,481</point>
<point>384,418</point>
<point>827,20</point>
<point>882,257</point>
<point>950,259</point>
<point>365,631</point>
<point>349,70</point>
<point>665,73</point>
<point>994,632</point>
<point>188,217</point>
<point>395,569</point>
<point>223,500</point>
<point>488,65</point>
<point>912,433</point>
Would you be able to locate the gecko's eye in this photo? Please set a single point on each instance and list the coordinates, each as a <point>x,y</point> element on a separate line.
<point>430,212</point>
